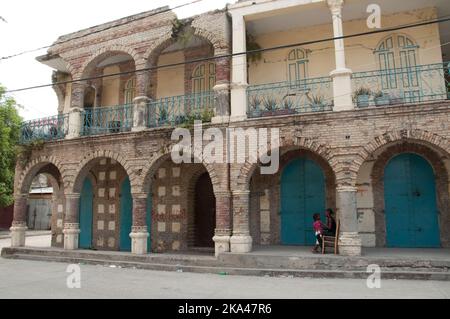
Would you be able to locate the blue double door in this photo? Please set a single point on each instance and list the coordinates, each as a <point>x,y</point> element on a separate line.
<point>126,215</point>
<point>302,195</point>
<point>410,203</point>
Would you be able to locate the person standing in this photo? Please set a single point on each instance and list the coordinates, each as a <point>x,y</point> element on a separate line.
<point>318,231</point>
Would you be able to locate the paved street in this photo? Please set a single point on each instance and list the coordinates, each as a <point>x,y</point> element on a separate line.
<point>29,279</point>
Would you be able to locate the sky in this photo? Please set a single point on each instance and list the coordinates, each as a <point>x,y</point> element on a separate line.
<point>33,24</point>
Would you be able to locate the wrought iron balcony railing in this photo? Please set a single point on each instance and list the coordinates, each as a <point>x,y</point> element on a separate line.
<point>410,85</point>
<point>45,129</point>
<point>181,110</point>
<point>106,120</point>
<point>282,98</point>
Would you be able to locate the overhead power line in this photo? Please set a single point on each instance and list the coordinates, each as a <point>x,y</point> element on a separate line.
<point>391,29</point>
<point>98,31</point>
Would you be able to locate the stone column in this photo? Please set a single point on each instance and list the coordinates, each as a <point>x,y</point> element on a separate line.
<point>140,113</point>
<point>75,123</point>
<point>241,241</point>
<point>139,234</point>
<point>222,90</point>
<point>223,223</point>
<point>239,73</point>
<point>349,240</point>
<point>140,103</point>
<point>71,222</point>
<point>19,224</point>
<point>342,83</point>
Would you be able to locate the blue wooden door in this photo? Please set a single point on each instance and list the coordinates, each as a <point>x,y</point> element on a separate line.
<point>126,215</point>
<point>410,203</point>
<point>302,195</point>
<point>149,221</point>
<point>86,205</point>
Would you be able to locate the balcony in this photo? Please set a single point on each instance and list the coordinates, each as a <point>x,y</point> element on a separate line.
<point>45,129</point>
<point>181,110</point>
<point>284,98</point>
<point>401,86</point>
<point>412,85</point>
<point>107,120</point>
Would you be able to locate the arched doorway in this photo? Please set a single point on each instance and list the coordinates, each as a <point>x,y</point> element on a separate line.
<point>86,214</point>
<point>205,212</point>
<point>410,203</point>
<point>302,195</point>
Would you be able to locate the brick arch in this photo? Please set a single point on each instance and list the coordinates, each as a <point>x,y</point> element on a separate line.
<point>300,143</point>
<point>155,49</point>
<point>103,53</point>
<point>442,186</point>
<point>33,168</point>
<point>90,160</point>
<point>220,45</point>
<point>155,163</point>
<point>434,140</point>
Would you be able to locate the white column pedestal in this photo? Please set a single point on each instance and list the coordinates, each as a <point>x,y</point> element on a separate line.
<point>342,88</point>
<point>71,236</point>
<point>139,242</point>
<point>18,235</point>
<point>74,124</point>
<point>241,244</point>
<point>350,244</point>
<point>222,244</point>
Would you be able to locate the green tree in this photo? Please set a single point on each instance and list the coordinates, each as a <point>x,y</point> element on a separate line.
<point>9,138</point>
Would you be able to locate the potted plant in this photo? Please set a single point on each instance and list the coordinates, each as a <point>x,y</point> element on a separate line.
<point>255,106</point>
<point>362,97</point>
<point>288,107</point>
<point>381,98</point>
<point>316,102</point>
<point>163,115</point>
<point>270,106</point>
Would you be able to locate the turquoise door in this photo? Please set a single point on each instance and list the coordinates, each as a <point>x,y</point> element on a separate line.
<point>86,205</point>
<point>149,221</point>
<point>302,195</point>
<point>126,215</point>
<point>410,203</point>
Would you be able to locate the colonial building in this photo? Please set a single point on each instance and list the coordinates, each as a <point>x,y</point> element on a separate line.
<point>364,129</point>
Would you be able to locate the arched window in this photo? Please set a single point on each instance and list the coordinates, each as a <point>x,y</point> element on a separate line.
<point>130,91</point>
<point>397,59</point>
<point>204,78</point>
<point>297,65</point>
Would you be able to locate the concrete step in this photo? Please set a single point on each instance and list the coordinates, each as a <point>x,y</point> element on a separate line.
<point>331,262</point>
<point>207,264</point>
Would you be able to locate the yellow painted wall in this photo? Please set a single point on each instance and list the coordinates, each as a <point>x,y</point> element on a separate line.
<point>170,80</point>
<point>359,50</point>
<point>111,87</point>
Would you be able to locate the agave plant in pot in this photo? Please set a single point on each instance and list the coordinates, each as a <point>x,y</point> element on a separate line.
<point>362,96</point>
<point>316,102</point>
<point>270,106</point>
<point>255,106</point>
<point>381,98</point>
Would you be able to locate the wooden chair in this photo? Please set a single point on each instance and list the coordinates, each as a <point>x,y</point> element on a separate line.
<point>332,242</point>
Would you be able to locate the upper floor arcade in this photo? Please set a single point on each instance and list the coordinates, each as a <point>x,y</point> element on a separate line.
<point>153,70</point>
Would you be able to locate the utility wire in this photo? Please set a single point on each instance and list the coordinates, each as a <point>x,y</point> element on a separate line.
<point>400,27</point>
<point>98,31</point>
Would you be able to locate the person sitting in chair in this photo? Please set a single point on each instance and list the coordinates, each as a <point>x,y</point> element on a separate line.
<point>330,227</point>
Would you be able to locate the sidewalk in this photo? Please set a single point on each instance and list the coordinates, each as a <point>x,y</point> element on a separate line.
<point>5,234</point>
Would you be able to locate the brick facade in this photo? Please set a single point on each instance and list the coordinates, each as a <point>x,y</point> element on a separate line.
<point>346,145</point>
